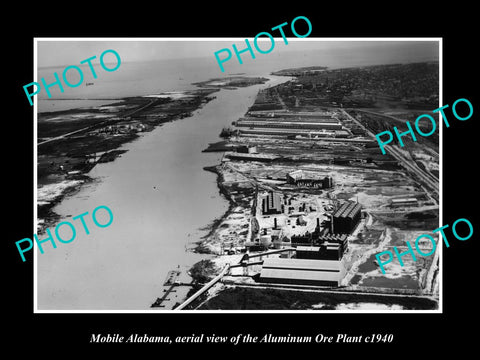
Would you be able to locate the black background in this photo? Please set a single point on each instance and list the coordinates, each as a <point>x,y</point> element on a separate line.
<point>413,333</point>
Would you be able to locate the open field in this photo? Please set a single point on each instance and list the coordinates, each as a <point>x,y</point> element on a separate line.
<point>247,298</point>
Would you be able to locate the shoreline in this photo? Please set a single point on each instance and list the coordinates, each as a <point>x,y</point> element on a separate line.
<point>45,212</point>
<point>69,181</point>
<point>202,95</point>
<point>201,247</point>
<point>62,169</point>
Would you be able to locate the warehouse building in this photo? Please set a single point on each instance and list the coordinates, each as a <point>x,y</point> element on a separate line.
<point>266,117</point>
<point>250,156</point>
<point>289,125</point>
<point>272,203</point>
<point>315,116</point>
<point>404,202</point>
<point>293,133</point>
<point>346,218</point>
<point>303,179</point>
<point>302,272</point>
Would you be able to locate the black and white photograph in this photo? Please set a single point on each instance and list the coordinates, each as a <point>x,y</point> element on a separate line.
<point>217,179</point>
<point>262,187</point>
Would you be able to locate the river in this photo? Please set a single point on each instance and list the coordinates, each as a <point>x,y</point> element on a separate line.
<point>160,197</point>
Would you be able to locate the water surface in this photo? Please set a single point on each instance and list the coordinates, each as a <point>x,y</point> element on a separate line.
<point>160,197</point>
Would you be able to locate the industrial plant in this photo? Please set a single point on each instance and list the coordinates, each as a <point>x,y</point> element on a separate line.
<point>312,200</point>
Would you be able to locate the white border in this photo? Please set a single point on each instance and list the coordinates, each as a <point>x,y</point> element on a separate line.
<point>200,312</point>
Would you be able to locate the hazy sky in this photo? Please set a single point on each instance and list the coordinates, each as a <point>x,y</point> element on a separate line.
<point>72,51</point>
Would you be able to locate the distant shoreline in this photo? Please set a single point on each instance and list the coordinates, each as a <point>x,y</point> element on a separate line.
<point>97,102</point>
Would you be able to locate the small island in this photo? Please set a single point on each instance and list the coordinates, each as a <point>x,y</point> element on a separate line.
<point>231,82</point>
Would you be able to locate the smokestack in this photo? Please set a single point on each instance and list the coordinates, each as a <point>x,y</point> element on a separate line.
<point>274,223</point>
<point>318,222</point>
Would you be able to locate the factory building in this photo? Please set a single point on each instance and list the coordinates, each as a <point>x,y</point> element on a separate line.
<point>295,132</point>
<point>301,178</point>
<point>307,239</point>
<point>271,203</point>
<point>404,202</point>
<point>289,125</point>
<point>346,218</point>
<point>329,247</point>
<point>316,119</point>
<point>314,115</point>
<point>245,149</point>
<point>302,271</point>
<point>327,182</point>
<point>250,156</point>
<point>320,244</point>
<point>326,251</point>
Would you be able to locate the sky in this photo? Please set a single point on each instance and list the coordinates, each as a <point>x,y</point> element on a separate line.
<point>68,51</point>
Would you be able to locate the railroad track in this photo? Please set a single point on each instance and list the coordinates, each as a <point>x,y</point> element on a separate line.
<point>427,178</point>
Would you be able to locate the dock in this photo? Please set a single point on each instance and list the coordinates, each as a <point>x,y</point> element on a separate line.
<point>171,277</point>
<point>171,282</point>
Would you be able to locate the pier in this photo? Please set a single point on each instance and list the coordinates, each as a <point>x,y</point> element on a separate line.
<point>171,282</point>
